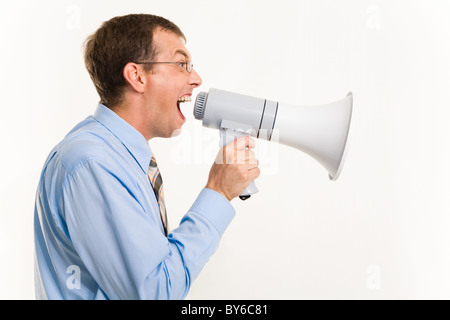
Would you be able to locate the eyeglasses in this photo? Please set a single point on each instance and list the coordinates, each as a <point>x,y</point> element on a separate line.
<point>188,65</point>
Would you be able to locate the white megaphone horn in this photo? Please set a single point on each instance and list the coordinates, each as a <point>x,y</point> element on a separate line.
<point>321,131</point>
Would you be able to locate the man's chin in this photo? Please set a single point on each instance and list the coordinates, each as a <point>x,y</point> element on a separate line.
<point>176,133</point>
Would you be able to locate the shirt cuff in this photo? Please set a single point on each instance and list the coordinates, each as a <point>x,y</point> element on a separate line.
<point>215,207</point>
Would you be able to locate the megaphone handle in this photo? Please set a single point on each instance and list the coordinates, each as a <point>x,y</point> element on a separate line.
<point>227,136</point>
<point>251,189</point>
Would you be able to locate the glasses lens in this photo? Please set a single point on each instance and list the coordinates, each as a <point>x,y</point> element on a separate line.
<point>189,66</point>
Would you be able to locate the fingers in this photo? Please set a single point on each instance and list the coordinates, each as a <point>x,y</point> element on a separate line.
<point>254,173</point>
<point>245,157</point>
<point>235,167</point>
<point>242,143</point>
<point>239,151</point>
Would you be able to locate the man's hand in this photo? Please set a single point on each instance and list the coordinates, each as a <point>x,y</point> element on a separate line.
<point>234,169</point>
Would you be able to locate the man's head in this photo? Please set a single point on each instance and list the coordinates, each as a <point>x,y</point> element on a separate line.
<point>117,58</point>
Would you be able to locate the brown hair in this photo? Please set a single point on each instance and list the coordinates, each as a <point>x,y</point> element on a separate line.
<point>117,42</point>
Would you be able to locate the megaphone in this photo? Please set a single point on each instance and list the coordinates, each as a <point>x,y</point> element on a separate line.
<point>321,131</point>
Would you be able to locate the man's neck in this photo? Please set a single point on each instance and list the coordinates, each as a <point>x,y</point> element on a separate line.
<point>134,115</point>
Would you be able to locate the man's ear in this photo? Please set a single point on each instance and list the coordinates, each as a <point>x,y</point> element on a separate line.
<point>134,75</point>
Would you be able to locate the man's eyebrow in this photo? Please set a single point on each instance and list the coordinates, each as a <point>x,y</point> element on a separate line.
<point>182,52</point>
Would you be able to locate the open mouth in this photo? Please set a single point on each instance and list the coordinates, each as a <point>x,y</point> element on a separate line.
<point>180,101</point>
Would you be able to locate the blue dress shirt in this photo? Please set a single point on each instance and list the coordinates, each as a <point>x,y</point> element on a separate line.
<point>98,230</point>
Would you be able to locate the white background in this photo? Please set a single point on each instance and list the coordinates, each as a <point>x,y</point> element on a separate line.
<point>380,232</point>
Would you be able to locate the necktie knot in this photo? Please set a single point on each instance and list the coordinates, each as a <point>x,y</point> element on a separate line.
<point>153,163</point>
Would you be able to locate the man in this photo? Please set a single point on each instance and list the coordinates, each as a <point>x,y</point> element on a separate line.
<point>100,222</point>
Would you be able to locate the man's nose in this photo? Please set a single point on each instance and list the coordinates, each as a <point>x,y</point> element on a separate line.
<point>194,79</point>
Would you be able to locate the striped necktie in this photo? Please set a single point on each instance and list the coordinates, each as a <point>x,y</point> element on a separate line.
<point>156,180</point>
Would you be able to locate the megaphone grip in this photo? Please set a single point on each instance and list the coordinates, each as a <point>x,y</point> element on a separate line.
<point>229,132</point>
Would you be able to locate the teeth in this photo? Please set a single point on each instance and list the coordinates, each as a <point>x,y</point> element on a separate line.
<point>184,99</point>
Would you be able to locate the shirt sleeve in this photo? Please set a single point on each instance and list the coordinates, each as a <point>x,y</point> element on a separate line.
<point>121,246</point>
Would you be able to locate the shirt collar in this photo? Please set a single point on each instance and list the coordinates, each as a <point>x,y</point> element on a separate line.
<point>132,139</point>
